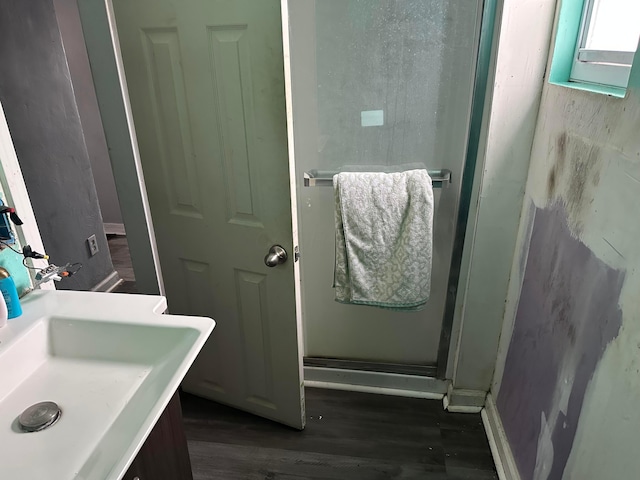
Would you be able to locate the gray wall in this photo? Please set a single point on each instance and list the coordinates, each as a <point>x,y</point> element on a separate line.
<point>76,52</point>
<point>39,104</point>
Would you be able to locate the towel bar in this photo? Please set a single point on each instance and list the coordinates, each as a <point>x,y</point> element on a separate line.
<point>322,178</point>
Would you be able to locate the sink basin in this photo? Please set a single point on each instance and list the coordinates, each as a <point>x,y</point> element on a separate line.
<point>111,362</point>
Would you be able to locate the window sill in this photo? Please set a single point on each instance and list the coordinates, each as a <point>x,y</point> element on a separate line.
<point>617,92</point>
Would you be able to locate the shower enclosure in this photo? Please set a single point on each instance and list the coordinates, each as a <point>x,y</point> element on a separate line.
<point>378,83</point>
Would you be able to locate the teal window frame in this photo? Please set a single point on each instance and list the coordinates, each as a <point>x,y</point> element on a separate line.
<point>568,34</point>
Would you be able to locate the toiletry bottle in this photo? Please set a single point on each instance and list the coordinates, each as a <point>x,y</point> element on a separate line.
<point>4,314</point>
<point>10,294</point>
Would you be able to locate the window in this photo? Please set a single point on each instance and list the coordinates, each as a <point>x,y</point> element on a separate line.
<point>606,43</point>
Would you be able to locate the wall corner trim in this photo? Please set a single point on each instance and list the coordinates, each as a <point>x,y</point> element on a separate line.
<point>500,448</point>
<point>114,229</point>
<point>460,400</point>
<point>108,284</point>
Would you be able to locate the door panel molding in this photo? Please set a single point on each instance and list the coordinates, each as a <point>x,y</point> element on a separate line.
<point>256,352</point>
<point>196,275</point>
<point>168,98</point>
<point>229,52</point>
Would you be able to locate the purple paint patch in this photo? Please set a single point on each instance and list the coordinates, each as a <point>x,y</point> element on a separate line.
<point>568,313</point>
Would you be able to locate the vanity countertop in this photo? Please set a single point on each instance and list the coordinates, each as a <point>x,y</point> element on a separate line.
<point>110,362</point>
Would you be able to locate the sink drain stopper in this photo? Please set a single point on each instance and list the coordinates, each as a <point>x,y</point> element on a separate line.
<point>39,416</point>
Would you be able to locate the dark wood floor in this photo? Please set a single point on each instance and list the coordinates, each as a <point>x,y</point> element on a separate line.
<point>349,435</point>
<point>119,249</point>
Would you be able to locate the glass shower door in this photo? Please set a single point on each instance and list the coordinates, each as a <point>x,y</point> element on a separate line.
<point>377,83</point>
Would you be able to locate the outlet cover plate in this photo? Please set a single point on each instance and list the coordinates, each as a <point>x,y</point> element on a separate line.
<point>93,245</point>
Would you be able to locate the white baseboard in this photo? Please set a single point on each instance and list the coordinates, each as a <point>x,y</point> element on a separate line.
<point>108,284</point>
<point>500,448</point>
<point>375,382</point>
<point>114,229</point>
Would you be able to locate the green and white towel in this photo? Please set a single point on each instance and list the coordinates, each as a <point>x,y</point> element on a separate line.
<point>384,225</point>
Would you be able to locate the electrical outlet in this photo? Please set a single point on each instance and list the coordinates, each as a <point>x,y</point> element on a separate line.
<point>93,245</point>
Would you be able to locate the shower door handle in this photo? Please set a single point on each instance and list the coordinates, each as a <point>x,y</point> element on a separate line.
<point>276,256</point>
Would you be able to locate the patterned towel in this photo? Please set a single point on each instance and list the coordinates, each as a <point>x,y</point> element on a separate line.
<point>384,224</point>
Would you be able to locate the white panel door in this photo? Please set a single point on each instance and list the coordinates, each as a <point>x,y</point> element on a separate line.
<point>207,91</point>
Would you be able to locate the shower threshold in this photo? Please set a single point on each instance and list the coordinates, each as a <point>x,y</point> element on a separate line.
<point>371,366</point>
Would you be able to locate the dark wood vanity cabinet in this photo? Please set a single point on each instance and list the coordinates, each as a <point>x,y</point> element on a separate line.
<point>164,455</point>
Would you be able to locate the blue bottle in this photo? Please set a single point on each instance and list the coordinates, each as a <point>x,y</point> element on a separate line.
<point>10,294</point>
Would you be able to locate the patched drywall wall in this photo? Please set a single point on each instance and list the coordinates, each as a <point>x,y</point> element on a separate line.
<point>568,373</point>
<point>567,314</point>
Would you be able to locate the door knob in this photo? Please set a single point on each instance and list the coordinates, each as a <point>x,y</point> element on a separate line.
<point>276,256</point>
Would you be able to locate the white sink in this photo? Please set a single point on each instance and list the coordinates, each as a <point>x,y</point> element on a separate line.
<point>110,361</point>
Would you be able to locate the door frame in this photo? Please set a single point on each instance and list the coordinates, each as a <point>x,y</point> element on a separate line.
<point>103,49</point>
<point>459,268</point>
<point>284,10</point>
